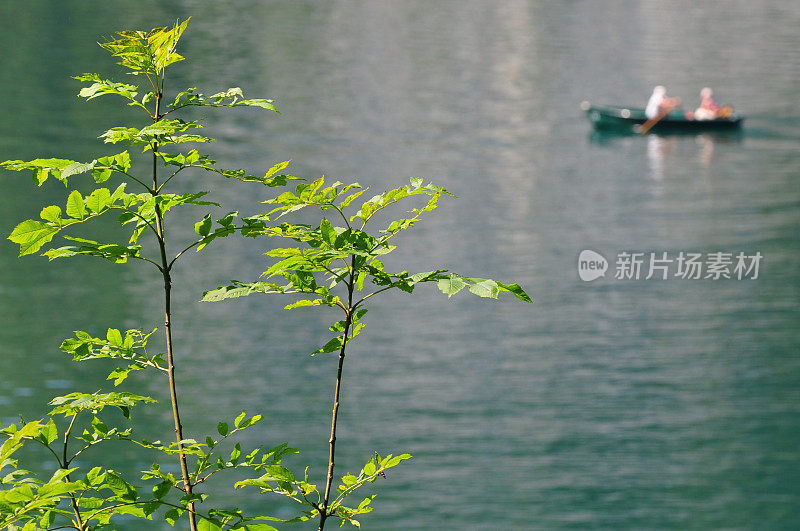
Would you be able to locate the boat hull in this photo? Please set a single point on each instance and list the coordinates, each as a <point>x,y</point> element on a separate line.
<point>610,118</point>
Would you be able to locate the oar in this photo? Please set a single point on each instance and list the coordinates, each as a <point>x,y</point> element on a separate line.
<point>645,127</point>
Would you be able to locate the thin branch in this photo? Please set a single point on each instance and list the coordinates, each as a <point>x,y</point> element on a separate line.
<point>313,504</point>
<point>163,114</point>
<point>192,245</point>
<point>145,259</point>
<point>89,445</point>
<point>146,222</point>
<point>176,172</point>
<point>356,305</point>
<point>155,90</point>
<point>341,213</point>
<point>66,439</point>
<point>126,174</point>
<point>330,271</point>
<point>58,458</point>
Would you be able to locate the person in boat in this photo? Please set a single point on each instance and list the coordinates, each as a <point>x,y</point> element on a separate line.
<point>659,103</point>
<point>708,110</point>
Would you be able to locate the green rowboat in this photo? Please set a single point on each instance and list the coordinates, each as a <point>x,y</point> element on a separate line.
<point>611,118</point>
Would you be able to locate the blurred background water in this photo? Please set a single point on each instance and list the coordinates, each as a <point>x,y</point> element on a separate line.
<point>611,404</point>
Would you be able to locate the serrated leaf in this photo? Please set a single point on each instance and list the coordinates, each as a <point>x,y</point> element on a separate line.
<point>239,289</point>
<point>120,487</point>
<point>328,232</point>
<point>485,288</point>
<point>114,337</point>
<point>98,200</point>
<point>31,234</point>
<point>279,472</point>
<point>51,213</point>
<point>50,432</point>
<point>451,285</point>
<point>75,205</point>
<point>76,168</point>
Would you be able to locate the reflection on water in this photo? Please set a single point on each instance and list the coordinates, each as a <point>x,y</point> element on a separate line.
<point>657,148</point>
<point>660,149</point>
<point>624,405</point>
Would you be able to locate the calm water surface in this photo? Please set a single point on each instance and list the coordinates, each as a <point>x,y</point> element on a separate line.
<point>612,404</point>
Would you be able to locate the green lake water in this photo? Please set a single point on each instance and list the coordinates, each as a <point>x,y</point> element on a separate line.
<point>611,404</point>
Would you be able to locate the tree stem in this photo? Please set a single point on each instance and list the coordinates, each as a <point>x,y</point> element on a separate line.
<point>80,526</point>
<point>335,413</point>
<point>165,269</point>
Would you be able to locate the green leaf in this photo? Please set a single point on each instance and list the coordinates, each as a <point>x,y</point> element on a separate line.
<point>47,520</point>
<point>227,220</point>
<point>236,453</point>
<point>172,516</point>
<point>328,232</point>
<point>306,302</point>
<point>51,213</point>
<point>516,290</point>
<point>124,490</point>
<point>76,168</point>
<point>203,227</point>
<point>75,205</point>
<point>349,199</point>
<point>147,53</point>
<point>114,337</point>
<point>31,234</point>
<point>206,525</point>
<point>276,168</point>
<point>119,375</point>
<point>451,285</point>
<point>77,402</point>
<point>222,428</point>
<point>240,289</point>
<point>42,168</point>
<point>279,473</point>
<point>331,346</point>
<point>253,527</point>
<point>394,461</point>
<point>485,288</point>
<point>105,166</point>
<point>98,200</point>
<point>101,175</point>
<point>101,87</point>
<point>99,427</point>
<point>50,432</point>
<point>162,489</point>
<point>111,251</point>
